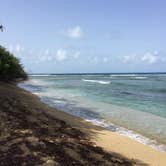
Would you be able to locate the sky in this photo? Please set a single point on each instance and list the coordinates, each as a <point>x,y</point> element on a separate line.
<point>79,36</point>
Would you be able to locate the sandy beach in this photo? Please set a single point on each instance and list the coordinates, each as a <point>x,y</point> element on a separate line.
<point>33,133</point>
<point>113,142</point>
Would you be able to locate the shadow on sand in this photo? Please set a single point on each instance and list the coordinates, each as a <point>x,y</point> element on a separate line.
<point>32,133</point>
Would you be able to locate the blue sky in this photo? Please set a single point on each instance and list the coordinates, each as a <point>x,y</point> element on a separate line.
<point>60,36</point>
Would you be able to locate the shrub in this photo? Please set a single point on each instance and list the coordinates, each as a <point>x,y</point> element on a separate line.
<point>10,67</point>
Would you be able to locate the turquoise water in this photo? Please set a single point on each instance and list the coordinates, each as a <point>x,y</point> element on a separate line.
<point>131,104</point>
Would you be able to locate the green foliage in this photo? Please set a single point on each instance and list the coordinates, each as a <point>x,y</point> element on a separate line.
<point>10,67</point>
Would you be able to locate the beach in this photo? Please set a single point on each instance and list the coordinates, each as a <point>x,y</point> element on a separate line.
<point>33,132</point>
<point>83,83</point>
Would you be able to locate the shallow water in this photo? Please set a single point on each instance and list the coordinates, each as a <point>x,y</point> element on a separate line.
<point>131,104</point>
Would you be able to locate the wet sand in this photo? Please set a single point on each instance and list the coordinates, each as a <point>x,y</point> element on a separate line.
<point>32,133</point>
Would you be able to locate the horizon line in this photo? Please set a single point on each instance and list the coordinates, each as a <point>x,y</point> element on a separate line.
<point>97,73</point>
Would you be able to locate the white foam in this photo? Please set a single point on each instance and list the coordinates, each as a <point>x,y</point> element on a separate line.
<point>129,133</point>
<point>97,81</point>
<point>140,77</point>
<point>98,122</point>
<point>123,75</point>
<point>34,82</point>
<point>41,75</point>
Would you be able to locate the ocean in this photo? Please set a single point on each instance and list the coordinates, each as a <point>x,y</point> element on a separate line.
<point>133,105</point>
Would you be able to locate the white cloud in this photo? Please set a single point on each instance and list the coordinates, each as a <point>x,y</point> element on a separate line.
<point>75,32</point>
<point>106,59</point>
<point>126,58</point>
<point>61,55</point>
<point>18,48</point>
<point>47,52</point>
<point>93,60</point>
<point>76,55</point>
<point>150,58</point>
<point>38,56</point>
<point>97,59</point>
<point>45,58</point>
<point>10,48</point>
<point>129,58</point>
<point>147,58</point>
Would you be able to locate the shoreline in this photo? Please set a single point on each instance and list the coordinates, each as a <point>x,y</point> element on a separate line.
<point>115,142</point>
<point>110,141</point>
<point>127,146</point>
<point>119,130</point>
<point>32,133</point>
<point>131,143</point>
<point>116,128</point>
<point>113,126</point>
